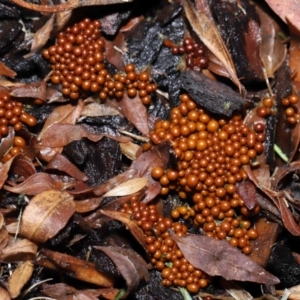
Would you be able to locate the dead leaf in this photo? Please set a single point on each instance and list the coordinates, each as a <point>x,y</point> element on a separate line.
<point>7,142</point>
<point>22,166</point>
<point>19,249</point>
<point>128,187</point>
<point>130,150</point>
<point>208,33</point>
<point>247,191</point>
<point>19,278</point>
<point>35,184</point>
<point>97,110</point>
<point>125,218</point>
<point>37,90</point>
<point>41,37</point>
<point>87,205</point>
<point>219,258</point>
<point>61,163</point>
<point>4,295</point>
<point>272,49</point>
<point>136,113</point>
<point>286,10</point>
<point>77,268</point>
<point>4,169</point>
<point>60,135</point>
<point>46,214</point>
<point>71,4</point>
<point>5,71</point>
<point>3,238</point>
<point>130,264</point>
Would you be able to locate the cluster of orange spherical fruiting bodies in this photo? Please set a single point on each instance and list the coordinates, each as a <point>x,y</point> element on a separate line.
<point>195,53</point>
<point>78,65</point>
<point>19,143</point>
<point>165,254</point>
<point>290,112</point>
<point>265,110</point>
<point>12,114</point>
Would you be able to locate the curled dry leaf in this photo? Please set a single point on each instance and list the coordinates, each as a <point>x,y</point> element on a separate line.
<point>219,258</point>
<point>130,264</point>
<point>71,4</point>
<point>4,169</point>
<point>7,142</point>
<point>247,191</point>
<point>22,166</point>
<point>19,250</point>
<point>46,214</point>
<point>208,33</point>
<point>36,183</point>
<point>41,37</point>
<point>65,114</point>
<point>19,278</point>
<point>61,163</point>
<point>60,135</point>
<point>135,111</point>
<point>272,49</point>
<point>125,218</point>
<point>128,187</point>
<point>130,150</point>
<point>75,267</point>
<point>5,71</point>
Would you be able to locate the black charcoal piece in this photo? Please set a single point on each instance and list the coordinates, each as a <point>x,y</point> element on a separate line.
<point>9,30</point>
<point>215,96</point>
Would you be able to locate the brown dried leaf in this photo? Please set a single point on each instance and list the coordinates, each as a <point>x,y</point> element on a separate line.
<point>77,268</point>
<point>294,56</point>
<point>46,214</point>
<point>22,166</point>
<point>219,258</point>
<point>41,37</point>
<point>208,33</point>
<point>34,185</point>
<point>272,49</point>
<point>19,278</point>
<point>37,90</point>
<point>287,10</point>
<point>19,249</point>
<point>130,264</point>
<point>7,142</point>
<point>87,205</point>
<point>71,4</point>
<point>128,187</point>
<point>130,150</point>
<point>4,169</point>
<point>4,295</point>
<point>5,71</point>
<point>125,218</point>
<point>136,113</point>
<point>61,163</point>
<point>247,191</point>
<point>60,135</point>
<point>64,114</point>
<point>3,238</point>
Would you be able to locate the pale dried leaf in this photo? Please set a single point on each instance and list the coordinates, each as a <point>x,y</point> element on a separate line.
<point>130,150</point>
<point>128,187</point>
<point>4,295</point>
<point>19,278</point>
<point>235,290</point>
<point>62,19</point>
<point>41,37</point>
<point>46,214</point>
<point>71,4</point>
<point>37,90</point>
<point>3,239</point>
<point>208,33</point>
<point>97,110</point>
<point>5,71</point>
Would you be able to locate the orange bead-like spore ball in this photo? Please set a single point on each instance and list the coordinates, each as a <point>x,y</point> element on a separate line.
<point>165,254</point>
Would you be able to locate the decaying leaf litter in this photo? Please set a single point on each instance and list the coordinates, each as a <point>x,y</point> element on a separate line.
<point>78,160</point>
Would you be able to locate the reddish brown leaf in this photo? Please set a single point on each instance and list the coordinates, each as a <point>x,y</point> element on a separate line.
<point>3,238</point>
<point>126,219</point>
<point>22,166</point>
<point>60,135</point>
<point>61,163</point>
<point>19,278</point>
<point>77,268</point>
<point>87,205</point>
<point>35,90</point>
<point>18,250</point>
<point>4,169</point>
<point>130,264</point>
<point>35,184</point>
<point>97,110</point>
<point>247,191</point>
<point>135,111</point>
<point>5,71</point>
<point>219,258</point>
<point>7,142</point>
<point>46,214</point>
